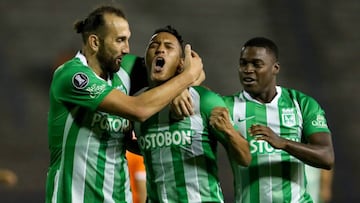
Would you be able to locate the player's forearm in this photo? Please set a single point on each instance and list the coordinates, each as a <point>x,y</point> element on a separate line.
<point>239,148</point>
<point>157,98</point>
<point>200,79</point>
<point>314,155</point>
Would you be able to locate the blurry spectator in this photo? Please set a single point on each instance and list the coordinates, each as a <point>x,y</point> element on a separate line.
<point>319,184</point>
<point>8,177</point>
<point>137,177</point>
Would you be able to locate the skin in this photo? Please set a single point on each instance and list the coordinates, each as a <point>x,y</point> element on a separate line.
<point>238,145</point>
<point>165,45</point>
<point>104,52</point>
<point>257,72</point>
<point>182,105</point>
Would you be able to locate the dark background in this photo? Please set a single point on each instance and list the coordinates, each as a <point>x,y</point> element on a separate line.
<point>319,51</point>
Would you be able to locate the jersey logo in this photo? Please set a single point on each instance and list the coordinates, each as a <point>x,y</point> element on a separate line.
<point>247,118</point>
<point>288,117</point>
<point>80,80</point>
<point>320,122</point>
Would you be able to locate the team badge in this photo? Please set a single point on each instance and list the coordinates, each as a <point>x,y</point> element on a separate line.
<point>288,117</point>
<point>80,80</point>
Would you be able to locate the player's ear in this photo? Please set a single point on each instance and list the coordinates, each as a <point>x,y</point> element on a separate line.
<point>94,42</point>
<point>276,67</point>
<point>181,66</point>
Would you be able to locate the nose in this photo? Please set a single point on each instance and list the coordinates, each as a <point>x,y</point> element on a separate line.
<point>126,48</point>
<point>247,68</point>
<point>160,49</point>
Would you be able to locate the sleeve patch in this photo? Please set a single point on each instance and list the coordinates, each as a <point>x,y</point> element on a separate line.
<point>80,80</point>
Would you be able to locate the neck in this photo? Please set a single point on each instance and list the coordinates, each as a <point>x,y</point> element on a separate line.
<point>265,96</point>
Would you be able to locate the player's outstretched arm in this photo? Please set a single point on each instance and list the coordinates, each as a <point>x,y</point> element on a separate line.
<point>141,107</point>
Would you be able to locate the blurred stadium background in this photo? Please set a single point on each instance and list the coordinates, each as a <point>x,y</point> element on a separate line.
<point>319,47</point>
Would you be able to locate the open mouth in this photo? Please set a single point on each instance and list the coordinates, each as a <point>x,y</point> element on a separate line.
<point>159,63</point>
<point>248,80</point>
<point>118,61</point>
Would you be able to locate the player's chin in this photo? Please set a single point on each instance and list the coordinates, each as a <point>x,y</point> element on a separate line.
<point>248,88</point>
<point>116,66</point>
<point>115,69</point>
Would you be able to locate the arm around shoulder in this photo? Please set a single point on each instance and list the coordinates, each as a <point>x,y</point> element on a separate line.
<point>141,107</point>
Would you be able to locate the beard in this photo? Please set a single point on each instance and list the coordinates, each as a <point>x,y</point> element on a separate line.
<point>107,63</point>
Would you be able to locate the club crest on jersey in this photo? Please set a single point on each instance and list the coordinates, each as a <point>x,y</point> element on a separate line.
<point>80,80</point>
<point>288,117</point>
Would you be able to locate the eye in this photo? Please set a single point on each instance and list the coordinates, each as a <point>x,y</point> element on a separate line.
<point>242,63</point>
<point>121,39</point>
<point>257,64</point>
<point>153,45</point>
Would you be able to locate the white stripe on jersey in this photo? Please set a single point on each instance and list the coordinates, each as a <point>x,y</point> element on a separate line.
<point>56,187</point>
<point>295,188</point>
<point>239,113</point>
<point>273,122</point>
<point>125,78</point>
<point>79,165</point>
<point>164,152</point>
<point>109,174</point>
<point>192,186</point>
<point>240,109</point>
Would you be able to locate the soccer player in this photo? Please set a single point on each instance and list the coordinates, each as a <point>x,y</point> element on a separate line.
<point>284,127</point>
<point>89,108</point>
<point>180,154</point>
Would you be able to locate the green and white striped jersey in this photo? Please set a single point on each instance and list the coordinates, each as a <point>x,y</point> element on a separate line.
<point>274,175</point>
<point>180,155</point>
<point>87,153</point>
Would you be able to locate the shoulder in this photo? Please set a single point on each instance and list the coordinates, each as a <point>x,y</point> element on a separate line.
<point>204,92</point>
<point>208,99</point>
<point>297,95</point>
<point>72,70</point>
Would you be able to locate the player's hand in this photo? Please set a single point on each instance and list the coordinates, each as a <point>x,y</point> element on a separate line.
<point>192,63</point>
<point>220,119</point>
<point>182,105</point>
<point>261,132</point>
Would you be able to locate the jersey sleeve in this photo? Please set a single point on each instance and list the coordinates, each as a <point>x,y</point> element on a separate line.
<point>76,84</point>
<point>314,120</point>
<point>210,100</point>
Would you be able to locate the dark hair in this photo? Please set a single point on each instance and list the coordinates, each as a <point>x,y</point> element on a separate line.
<point>173,31</point>
<point>95,20</point>
<point>263,42</point>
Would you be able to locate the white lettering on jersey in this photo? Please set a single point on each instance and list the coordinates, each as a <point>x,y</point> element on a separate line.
<point>165,138</point>
<point>320,122</point>
<point>95,90</point>
<point>263,147</point>
<point>108,123</point>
